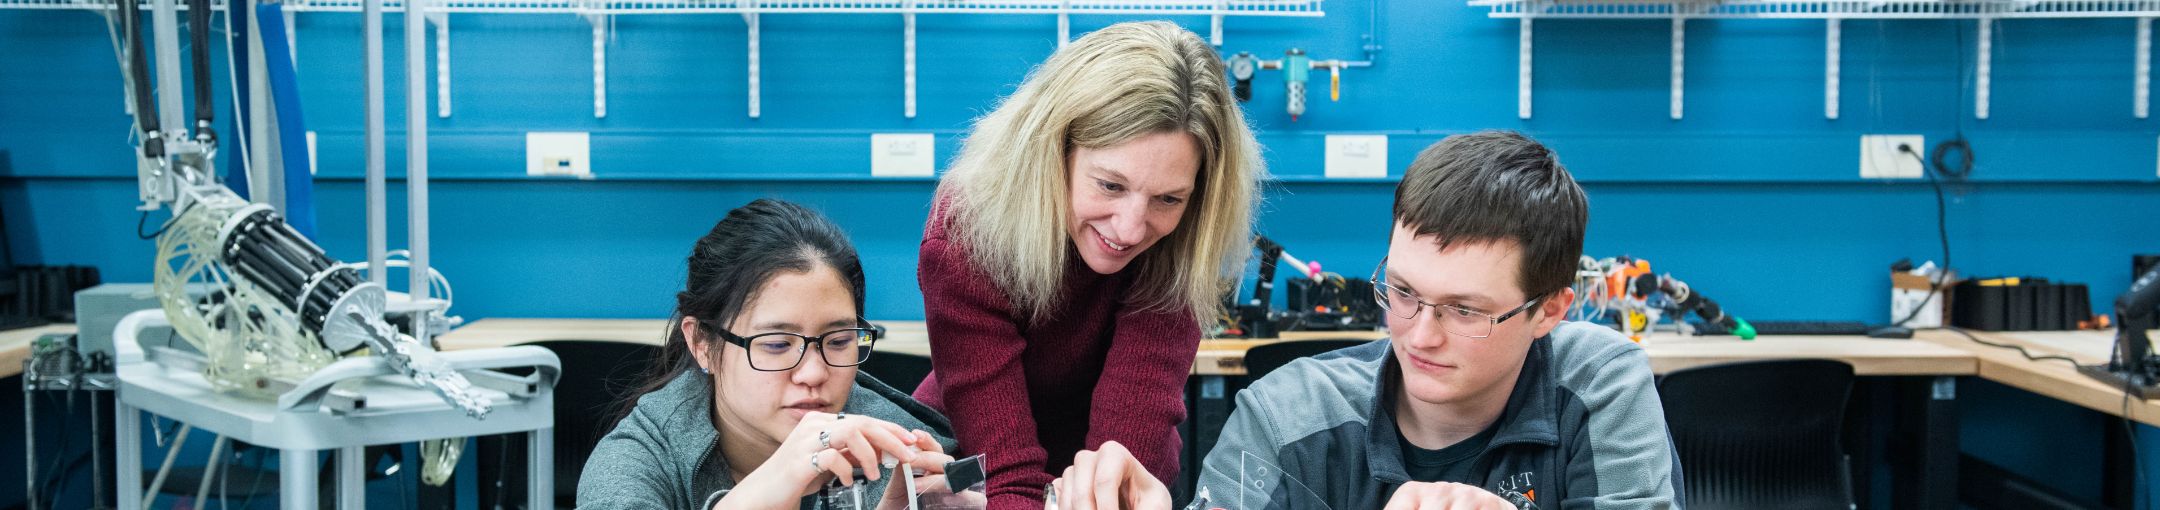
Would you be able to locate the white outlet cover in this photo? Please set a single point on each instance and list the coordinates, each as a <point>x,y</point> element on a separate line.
<point>1356,156</point>
<point>903,155</point>
<point>558,154</point>
<point>1880,159</point>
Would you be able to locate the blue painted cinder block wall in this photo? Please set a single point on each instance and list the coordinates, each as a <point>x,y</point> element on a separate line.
<point>1754,197</point>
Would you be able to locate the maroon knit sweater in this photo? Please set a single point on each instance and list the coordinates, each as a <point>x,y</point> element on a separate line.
<point>1031,395</point>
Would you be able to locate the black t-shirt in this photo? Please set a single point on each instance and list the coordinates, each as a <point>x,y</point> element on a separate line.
<point>1454,463</point>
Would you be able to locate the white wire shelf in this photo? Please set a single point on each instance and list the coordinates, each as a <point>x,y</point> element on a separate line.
<point>1286,8</point>
<point>1821,9</point>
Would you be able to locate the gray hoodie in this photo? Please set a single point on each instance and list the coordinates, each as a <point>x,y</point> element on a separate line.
<point>1583,429</point>
<point>666,454</point>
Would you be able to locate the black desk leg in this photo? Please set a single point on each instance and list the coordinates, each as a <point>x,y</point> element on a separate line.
<point>1929,429</point>
<point>1211,408</point>
<point>2118,479</point>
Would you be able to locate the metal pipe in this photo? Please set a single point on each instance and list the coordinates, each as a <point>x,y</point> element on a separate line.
<point>165,23</point>
<point>210,472</point>
<point>166,468</point>
<point>416,119</point>
<point>378,239</point>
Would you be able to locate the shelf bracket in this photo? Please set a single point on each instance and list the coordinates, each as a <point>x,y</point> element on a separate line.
<point>1984,68</point>
<point>442,62</point>
<point>1522,73</point>
<point>1679,63</point>
<point>1215,23</point>
<point>908,66</point>
<point>599,65</point>
<point>2142,87</point>
<point>1833,36</point>
<point>750,21</point>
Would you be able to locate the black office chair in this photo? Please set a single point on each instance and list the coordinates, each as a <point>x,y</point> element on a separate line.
<point>597,377</point>
<point>901,371</point>
<point>1265,358</point>
<point>1762,434</point>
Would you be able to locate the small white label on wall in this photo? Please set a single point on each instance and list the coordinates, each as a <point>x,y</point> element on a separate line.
<point>1356,156</point>
<point>903,155</point>
<point>558,154</point>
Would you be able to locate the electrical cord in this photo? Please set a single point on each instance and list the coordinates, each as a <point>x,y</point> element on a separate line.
<point>2137,461</point>
<point>1942,229</point>
<point>145,219</point>
<point>2019,348</point>
<point>1965,164</point>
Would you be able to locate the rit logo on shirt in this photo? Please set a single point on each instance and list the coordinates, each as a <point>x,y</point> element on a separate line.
<point>1517,489</point>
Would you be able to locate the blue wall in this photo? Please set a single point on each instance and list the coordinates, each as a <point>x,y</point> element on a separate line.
<point>1754,197</point>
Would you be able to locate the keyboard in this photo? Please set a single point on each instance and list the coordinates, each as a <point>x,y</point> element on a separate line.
<point>1793,328</point>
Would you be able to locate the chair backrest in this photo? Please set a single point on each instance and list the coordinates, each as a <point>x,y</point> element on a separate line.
<point>1265,358</point>
<point>901,371</point>
<point>1761,434</point>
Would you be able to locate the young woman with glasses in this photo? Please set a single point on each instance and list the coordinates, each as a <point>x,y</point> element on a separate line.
<point>756,401</point>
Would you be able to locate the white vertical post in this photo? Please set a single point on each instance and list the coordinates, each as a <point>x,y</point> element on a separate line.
<point>1064,22</point>
<point>442,64</point>
<point>1984,69</point>
<point>296,477</point>
<point>751,19</point>
<point>262,151</point>
<point>2142,88</point>
<point>165,18</point>
<point>540,468</point>
<point>908,66</point>
<point>292,36</point>
<point>376,158</point>
<point>1522,79</point>
<point>1679,63</point>
<point>599,67</point>
<point>416,163</point>
<point>351,478</point>
<point>127,453</point>
<point>1832,40</point>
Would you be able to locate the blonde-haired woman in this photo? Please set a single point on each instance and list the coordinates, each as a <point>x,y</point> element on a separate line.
<point>1092,222</point>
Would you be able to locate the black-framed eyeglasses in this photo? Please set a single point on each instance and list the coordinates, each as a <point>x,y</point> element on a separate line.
<point>779,351</point>
<point>1455,319</point>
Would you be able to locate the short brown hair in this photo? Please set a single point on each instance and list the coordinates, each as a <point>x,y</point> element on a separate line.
<point>1499,185</point>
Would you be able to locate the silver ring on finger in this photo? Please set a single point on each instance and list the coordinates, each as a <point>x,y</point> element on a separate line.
<point>824,439</point>
<point>816,466</point>
<point>841,416</point>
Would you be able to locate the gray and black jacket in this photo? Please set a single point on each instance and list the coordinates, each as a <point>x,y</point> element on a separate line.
<point>1582,429</point>
<point>666,453</point>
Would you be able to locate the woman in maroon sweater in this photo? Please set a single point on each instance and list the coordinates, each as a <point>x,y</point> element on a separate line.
<point>1092,222</point>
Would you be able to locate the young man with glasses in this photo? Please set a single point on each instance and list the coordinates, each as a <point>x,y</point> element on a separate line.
<point>1484,398</point>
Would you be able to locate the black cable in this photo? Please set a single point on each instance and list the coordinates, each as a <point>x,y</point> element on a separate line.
<point>145,219</point>
<point>1965,164</point>
<point>2137,462</point>
<point>2019,348</point>
<point>146,114</point>
<point>199,40</point>
<point>1942,232</point>
<point>254,486</point>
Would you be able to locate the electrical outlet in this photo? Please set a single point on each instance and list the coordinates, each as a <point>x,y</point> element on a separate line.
<point>903,154</point>
<point>1356,156</point>
<point>1881,159</point>
<point>558,154</point>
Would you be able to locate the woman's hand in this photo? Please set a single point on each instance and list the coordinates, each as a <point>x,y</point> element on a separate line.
<point>822,447</point>
<point>929,471</point>
<point>1109,478</point>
